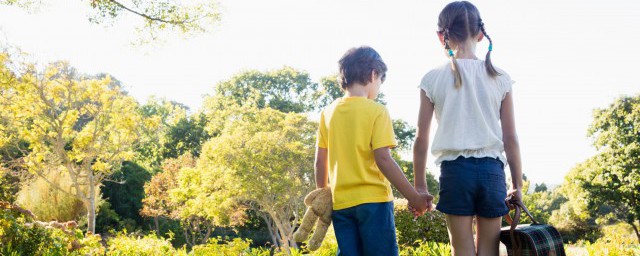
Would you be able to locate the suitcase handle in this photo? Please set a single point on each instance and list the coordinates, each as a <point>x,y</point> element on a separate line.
<point>519,207</point>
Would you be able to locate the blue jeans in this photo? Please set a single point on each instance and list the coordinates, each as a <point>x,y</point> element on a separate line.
<point>366,229</point>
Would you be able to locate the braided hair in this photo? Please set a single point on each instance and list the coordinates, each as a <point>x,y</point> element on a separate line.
<point>459,21</point>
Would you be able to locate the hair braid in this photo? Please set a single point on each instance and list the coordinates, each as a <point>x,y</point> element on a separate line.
<point>487,62</point>
<point>454,63</point>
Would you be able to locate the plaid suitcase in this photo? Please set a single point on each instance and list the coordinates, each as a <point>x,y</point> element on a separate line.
<point>530,240</point>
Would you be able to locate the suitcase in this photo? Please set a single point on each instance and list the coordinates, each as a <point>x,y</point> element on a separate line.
<point>530,240</point>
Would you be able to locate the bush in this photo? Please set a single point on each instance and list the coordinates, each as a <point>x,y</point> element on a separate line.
<point>149,245</point>
<point>427,248</point>
<point>216,247</point>
<point>430,227</point>
<point>19,235</point>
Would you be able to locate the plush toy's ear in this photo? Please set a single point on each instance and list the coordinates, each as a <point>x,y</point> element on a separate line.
<point>311,196</point>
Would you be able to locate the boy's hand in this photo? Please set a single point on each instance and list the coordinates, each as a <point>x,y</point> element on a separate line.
<point>422,204</point>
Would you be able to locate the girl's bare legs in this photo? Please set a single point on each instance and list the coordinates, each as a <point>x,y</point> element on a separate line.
<point>461,235</point>
<point>488,236</point>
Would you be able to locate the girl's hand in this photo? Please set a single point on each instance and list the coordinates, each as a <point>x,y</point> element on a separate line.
<point>514,194</point>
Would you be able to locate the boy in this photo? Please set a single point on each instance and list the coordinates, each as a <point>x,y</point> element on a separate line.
<point>354,137</point>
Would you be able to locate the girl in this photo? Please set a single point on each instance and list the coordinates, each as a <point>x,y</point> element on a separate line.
<point>474,108</point>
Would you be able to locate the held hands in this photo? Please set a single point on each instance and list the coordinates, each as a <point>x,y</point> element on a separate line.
<point>421,204</point>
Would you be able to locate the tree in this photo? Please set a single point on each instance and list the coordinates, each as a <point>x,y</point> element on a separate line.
<point>613,178</point>
<point>267,159</point>
<point>157,202</point>
<point>186,17</point>
<point>286,90</point>
<point>125,197</point>
<point>540,188</point>
<point>71,125</point>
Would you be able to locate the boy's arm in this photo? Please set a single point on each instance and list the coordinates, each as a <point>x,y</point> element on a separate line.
<point>394,174</point>
<point>321,171</point>
<point>421,145</point>
<point>511,144</point>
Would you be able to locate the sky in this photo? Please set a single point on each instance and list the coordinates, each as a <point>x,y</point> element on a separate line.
<point>567,57</point>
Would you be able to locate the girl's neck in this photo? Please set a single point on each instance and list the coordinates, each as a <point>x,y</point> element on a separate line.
<point>466,50</point>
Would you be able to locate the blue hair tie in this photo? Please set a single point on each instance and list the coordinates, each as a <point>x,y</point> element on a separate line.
<point>450,52</point>
<point>490,47</point>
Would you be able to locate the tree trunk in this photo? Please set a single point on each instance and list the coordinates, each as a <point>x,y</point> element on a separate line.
<point>283,233</point>
<point>635,229</point>
<point>91,211</point>
<point>272,231</point>
<point>155,221</point>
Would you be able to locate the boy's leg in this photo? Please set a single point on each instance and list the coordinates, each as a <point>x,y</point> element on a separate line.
<point>345,226</point>
<point>461,235</point>
<point>377,229</point>
<point>488,235</point>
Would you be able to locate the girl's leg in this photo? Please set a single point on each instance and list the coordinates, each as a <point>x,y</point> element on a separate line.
<point>461,235</point>
<point>488,235</point>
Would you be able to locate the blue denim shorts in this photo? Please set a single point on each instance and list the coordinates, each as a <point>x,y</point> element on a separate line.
<point>473,186</point>
<point>366,229</point>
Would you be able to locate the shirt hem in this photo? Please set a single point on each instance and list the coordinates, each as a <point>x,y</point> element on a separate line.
<point>361,201</point>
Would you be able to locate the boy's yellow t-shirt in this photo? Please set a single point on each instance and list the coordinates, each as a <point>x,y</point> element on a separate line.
<point>350,129</point>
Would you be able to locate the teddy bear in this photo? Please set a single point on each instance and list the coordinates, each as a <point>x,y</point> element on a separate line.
<point>319,206</point>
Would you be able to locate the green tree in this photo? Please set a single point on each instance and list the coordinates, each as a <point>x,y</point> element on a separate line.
<point>267,159</point>
<point>286,90</point>
<point>540,188</point>
<point>573,218</point>
<point>125,190</point>
<point>613,178</point>
<point>155,17</point>
<point>71,125</point>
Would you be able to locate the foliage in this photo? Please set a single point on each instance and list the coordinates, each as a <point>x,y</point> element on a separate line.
<point>617,239</point>
<point>157,202</point>
<point>19,235</point>
<point>149,245</point>
<point>430,227</point>
<point>72,125</point>
<point>573,219</point>
<point>265,158</point>
<point>169,132</point>
<point>125,191</point>
<point>286,90</point>
<point>613,175</point>
<point>215,247</point>
<point>427,248</point>
<point>49,203</point>
<point>154,17</point>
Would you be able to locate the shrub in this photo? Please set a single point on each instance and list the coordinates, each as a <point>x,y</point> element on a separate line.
<point>430,227</point>
<point>20,235</point>
<point>427,248</point>
<point>149,245</point>
<point>216,247</point>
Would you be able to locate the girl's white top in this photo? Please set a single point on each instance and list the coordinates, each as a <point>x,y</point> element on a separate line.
<point>469,117</point>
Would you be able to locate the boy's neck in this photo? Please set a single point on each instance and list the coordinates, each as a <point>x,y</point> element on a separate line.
<point>357,90</point>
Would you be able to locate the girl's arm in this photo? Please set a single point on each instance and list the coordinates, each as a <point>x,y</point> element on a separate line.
<point>321,171</point>
<point>511,144</point>
<point>421,145</point>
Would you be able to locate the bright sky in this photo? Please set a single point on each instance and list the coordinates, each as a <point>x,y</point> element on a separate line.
<point>567,57</point>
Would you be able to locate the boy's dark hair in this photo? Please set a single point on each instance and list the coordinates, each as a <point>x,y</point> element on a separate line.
<point>356,66</point>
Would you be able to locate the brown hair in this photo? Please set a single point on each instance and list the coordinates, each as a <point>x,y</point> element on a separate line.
<point>459,21</point>
<point>356,66</point>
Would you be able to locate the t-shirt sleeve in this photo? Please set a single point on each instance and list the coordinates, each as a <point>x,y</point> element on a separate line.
<point>505,82</point>
<point>321,136</point>
<point>383,135</point>
<point>427,85</point>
